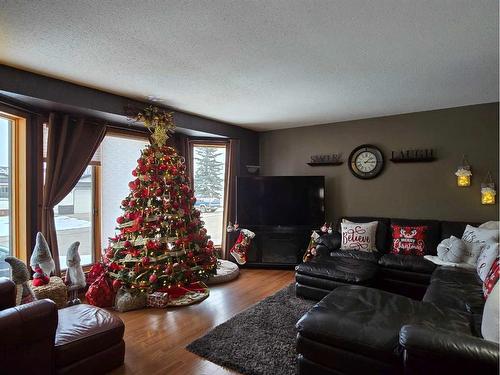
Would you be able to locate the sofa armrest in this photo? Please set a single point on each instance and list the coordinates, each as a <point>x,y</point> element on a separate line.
<point>331,241</point>
<point>7,293</point>
<point>27,336</point>
<point>430,351</point>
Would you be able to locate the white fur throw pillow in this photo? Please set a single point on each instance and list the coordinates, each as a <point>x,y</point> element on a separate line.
<point>475,240</point>
<point>490,225</point>
<point>358,236</point>
<point>486,259</point>
<point>489,325</point>
<point>451,250</point>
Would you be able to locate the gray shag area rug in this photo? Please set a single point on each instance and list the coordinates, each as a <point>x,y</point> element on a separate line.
<point>259,340</point>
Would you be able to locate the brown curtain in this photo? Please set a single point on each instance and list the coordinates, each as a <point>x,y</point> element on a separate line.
<point>71,144</point>
<point>181,143</point>
<point>230,212</point>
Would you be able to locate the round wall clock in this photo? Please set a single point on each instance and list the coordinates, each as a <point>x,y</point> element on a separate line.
<point>366,161</point>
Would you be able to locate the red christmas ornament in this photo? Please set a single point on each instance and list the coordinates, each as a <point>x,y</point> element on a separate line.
<point>153,278</point>
<point>151,245</point>
<point>114,267</point>
<point>120,219</point>
<point>134,173</point>
<point>116,284</point>
<point>145,261</point>
<point>127,244</point>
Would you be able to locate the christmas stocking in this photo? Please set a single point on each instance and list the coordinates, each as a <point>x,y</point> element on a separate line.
<point>240,248</point>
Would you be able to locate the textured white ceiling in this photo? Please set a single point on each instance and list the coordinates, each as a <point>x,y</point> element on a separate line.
<point>265,64</point>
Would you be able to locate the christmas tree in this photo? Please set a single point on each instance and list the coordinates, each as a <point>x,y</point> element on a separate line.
<point>161,242</point>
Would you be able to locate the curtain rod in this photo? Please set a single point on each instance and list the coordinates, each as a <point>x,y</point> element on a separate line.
<point>19,108</point>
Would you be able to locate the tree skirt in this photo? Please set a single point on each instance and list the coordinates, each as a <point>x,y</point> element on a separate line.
<point>188,295</point>
<point>226,271</point>
<point>260,340</point>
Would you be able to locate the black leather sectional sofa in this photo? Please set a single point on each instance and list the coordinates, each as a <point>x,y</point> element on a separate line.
<point>380,313</point>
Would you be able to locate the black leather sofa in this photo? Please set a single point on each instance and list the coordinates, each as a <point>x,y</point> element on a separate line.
<point>412,318</point>
<point>405,275</point>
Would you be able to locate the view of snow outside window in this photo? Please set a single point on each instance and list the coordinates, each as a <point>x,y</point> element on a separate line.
<point>5,222</point>
<point>73,218</point>
<point>209,170</point>
<point>118,158</point>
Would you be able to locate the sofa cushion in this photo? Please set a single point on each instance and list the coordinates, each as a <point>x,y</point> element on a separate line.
<point>358,236</point>
<point>330,241</point>
<point>432,234</point>
<point>489,327</point>
<point>346,270</point>
<point>409,240</point>
<point>491,278</point>
<point>455,276</point>
<point>367,321</point>
<point>455,288</point>
<point>382,237</point>
<point>413,263</point>
<point>355,254</point>
<point>84,330</point>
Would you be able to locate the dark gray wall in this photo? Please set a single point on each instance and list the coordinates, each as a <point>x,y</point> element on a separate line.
<point>413,190</point>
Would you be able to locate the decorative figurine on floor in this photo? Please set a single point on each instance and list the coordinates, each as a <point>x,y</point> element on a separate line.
<point>75,278</point>
<point>240,248</point>
<point>20,277</point>
<point>311,248</point>
<point>41,261</point>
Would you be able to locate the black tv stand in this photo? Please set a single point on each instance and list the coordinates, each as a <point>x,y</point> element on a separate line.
<point>275,246</point>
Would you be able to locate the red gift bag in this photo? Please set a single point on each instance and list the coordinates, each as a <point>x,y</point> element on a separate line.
<point>95,271</point>
<point>101,293</point>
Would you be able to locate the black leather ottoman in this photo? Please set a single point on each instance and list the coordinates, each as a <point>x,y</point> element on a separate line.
<point>355,330</point>
<point>314,280</point>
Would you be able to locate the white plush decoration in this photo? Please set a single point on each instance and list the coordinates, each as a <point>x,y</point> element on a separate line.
<point>20,276</point>
<point>490,225</point>
<point>435,259</point>
<point>451,250</point>
<point>74,274</point>
<point>41,257</point>
<point>489,325</point>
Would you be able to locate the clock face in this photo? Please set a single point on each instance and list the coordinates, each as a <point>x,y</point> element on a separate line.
<point>366,161</point>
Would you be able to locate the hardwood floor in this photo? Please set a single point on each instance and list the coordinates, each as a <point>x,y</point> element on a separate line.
<point>156,338</point>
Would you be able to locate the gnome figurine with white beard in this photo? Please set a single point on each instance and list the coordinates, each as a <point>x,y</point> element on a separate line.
<point>41,261</point>
<point>20,277</point>
<point>75,278</point>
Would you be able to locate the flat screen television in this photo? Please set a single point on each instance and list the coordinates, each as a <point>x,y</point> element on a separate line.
<point>280,200</point>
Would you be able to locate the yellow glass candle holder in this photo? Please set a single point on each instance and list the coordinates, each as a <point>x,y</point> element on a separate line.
<point>488,194</point>
<point>463,181</point>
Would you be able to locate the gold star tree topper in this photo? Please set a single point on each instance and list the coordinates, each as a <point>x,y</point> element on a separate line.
<point>159,122</point>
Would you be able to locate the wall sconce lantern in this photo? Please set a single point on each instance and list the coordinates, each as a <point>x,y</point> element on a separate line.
<point>488,192</point>
<point>464,174</point>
